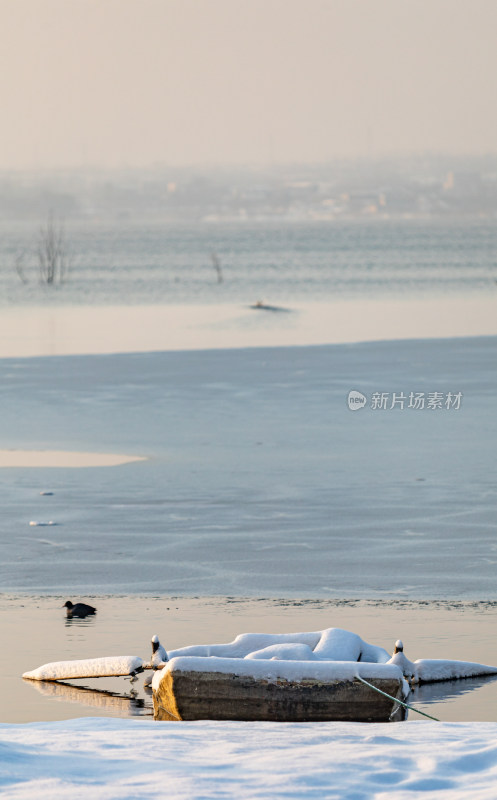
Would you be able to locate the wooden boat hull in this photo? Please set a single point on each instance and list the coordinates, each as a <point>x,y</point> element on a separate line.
<point>184,694</point>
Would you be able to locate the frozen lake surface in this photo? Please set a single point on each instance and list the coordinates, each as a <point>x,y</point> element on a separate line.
<point>258,479</point>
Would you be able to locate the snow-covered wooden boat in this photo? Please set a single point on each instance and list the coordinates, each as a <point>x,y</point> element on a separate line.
<point>321,675</point>
<point>294,677</point>
<point>193,688</point>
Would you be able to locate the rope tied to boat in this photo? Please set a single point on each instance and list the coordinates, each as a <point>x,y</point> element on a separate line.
<point>399,702</point>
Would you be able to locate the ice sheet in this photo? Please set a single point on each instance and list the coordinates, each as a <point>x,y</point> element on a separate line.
<point>259,480</point>
<point>134,328</point>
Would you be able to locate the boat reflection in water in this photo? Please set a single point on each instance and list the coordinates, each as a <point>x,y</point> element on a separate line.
<point>122,705</point>
<point>131,704</point>
<point>447,691</point>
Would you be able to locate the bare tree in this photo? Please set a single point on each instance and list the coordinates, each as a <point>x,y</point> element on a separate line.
<point>52,251</point>
<point>217,266</point>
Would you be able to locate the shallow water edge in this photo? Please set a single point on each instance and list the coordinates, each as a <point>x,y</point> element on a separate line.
<point>35,631</point>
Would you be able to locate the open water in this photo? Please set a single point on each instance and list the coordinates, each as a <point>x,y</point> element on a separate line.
<point>283,262</point>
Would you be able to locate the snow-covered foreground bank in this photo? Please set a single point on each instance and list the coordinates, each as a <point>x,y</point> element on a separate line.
<point>107,759</point>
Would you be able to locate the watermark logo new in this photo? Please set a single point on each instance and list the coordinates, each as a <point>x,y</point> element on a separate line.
<point>356,400</point>
<point>414,401</point>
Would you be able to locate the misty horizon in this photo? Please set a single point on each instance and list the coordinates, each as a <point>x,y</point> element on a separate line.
<point>355,188</point>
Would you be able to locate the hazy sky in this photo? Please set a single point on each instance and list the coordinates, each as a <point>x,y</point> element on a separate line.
<point>133,82</point>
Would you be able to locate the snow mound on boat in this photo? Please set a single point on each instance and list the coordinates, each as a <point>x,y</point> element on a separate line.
<point>110,666</point>
<point>246,643</point>
<point>284,652</point>
<point>331,644</point>
<point>336,644</point>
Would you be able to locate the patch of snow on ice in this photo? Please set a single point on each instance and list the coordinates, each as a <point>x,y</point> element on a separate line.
<point>36,524</point>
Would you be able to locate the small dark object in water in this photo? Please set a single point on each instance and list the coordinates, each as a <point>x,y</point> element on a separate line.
<point>78,609</point>
<point>261,305</point>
